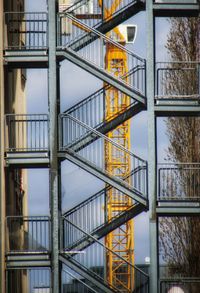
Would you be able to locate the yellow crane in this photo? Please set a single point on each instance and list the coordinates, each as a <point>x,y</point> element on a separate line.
<point>121,240</point>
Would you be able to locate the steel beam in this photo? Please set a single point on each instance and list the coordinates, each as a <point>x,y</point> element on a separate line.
<point>171,211</point>
<point>26,59</point>
<point>28,260</point>
<point>152,149</point>
<point>53,109</point>
<point>177,110</point>
<point>27,160</point>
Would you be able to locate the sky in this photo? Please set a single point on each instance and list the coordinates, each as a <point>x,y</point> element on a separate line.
<point>71,93</point>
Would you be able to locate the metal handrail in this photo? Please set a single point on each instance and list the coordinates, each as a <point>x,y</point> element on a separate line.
<point>85,202</point>
<point>104,37</point>
<point>106,87</point>
<point>27,34</point>
<point>178,181</point>
<point>103,136</point>
<point>105,247</point>
<point>24,128</point>
<point>24,220</point>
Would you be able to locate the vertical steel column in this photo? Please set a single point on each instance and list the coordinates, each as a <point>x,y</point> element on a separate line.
<point>152,148</point>
<point>2,177</point>
<point>54,196</point>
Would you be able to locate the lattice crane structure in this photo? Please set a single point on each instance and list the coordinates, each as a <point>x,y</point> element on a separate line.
<point>117,163</point>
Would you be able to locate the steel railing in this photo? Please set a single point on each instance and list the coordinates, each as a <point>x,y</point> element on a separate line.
<point>26,132</point>
<point>92,110</point>
<point>26,31</point>
<point>92,260</point>
<point>90,215</point>
<point>91,45</point>
<point>29,280</point>
<point>178,80</point>
<point>179,181</point>
<point>28,234</point>
<point>87,143</point>
<point>73,282</point>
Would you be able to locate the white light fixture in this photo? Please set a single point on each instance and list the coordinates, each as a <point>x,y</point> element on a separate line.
<point>129,32</point>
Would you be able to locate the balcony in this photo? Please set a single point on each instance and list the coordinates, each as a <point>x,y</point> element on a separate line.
<point>27,139</point>
<point>173,280</point>
<point>177,87</point>
<point>26,39</point>
<point>28,241</point>
<point>179,187</point>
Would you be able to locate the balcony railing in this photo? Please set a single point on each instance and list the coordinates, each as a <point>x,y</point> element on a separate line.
<point>178,80</point>
<point>28,234</point>
<point>29,280</point>
<point>26,31</point>
<point>26,133</point>
<point>179,182</point>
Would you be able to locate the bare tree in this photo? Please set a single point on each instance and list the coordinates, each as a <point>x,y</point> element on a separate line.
<point>180,236</point>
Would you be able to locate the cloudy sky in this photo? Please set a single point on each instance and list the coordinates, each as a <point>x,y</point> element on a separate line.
<point>71,93</point>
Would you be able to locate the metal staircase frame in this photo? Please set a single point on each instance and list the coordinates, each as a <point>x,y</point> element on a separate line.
<point>49,58</point>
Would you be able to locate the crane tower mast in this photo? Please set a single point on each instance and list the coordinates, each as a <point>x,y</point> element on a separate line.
<point>121,240</point>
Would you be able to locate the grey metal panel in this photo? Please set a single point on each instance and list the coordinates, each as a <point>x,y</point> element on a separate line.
<point>170,10</point>
<point>102,74</point>
<point>102,176</point>
<point>26,59</point>
<point>27,260</point>
<point>181,110</point>
<point>177,211</point>
<point>28,263</point>
<point>27,162</point>
<point>83,273</point>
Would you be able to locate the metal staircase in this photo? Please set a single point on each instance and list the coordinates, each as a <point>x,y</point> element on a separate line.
<point>82,131</point>
<point>87,261</point>
<point>90,57</point>
<point>103,15</point>
<point>92,213</point>
<point>82,141</point>
<point>84,146</point>
<point>91,111</point>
